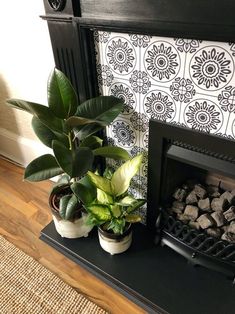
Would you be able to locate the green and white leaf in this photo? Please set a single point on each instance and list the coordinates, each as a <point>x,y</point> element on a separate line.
<point>116,210</point>
<point>101,212</point>
<point>103,197</point>
<point>137,204</point>
<point>122,176</point>
<point>100,182</point>
<point>133,218</point>
<point>42,168</point>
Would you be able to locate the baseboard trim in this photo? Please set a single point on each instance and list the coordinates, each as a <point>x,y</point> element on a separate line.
<point>20,149</point>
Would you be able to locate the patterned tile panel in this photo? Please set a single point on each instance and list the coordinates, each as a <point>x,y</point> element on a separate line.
<point>186,82</point>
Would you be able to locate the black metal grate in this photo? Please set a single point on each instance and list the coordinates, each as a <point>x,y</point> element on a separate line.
<point>204,151</point>
<point>199,240</point>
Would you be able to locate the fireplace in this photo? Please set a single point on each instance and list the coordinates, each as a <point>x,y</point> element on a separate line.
<point>191,173</point>
<point>74,27</point>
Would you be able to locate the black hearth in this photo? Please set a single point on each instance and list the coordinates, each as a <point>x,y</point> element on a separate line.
<point>178,155</point>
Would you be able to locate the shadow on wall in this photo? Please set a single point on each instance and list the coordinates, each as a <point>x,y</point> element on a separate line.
<point>9,131</point>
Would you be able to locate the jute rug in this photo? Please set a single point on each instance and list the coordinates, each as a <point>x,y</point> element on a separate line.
<point>26,287</point>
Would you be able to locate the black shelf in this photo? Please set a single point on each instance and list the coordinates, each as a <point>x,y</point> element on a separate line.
<point>156,278</point>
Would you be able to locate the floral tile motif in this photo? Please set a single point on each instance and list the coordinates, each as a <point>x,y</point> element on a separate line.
<point>186,82</point>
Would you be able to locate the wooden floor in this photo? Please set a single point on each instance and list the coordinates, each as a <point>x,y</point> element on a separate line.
<point>23,213</point>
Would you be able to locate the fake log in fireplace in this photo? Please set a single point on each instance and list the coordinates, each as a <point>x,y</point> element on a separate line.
<point>192,195</point>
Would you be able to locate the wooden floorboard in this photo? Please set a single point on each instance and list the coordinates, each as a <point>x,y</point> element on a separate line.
<point>23,213</point>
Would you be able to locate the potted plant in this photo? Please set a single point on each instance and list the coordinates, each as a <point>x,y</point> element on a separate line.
<point>112,208</point>
<point>69,129</point>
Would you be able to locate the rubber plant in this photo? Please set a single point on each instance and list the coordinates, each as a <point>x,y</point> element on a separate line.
<point>69,128</point>
<point>112,208</point>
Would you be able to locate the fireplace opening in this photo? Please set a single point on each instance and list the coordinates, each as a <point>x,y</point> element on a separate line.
<point>192,194</point>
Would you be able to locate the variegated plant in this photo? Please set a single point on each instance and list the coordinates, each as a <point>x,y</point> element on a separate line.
<point>69,128</point>
<point>110,204</point>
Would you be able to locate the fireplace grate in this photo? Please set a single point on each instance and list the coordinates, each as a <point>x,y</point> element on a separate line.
<point>198,244</point>
<point>204,151</point>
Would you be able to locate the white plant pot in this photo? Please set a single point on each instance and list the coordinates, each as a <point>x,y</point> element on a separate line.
<point>72,229</point>
<point>115,244</point>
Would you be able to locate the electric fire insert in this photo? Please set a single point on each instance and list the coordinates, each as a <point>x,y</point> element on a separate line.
<point>191,194</point>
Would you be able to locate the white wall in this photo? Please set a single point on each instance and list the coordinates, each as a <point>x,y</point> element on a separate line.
<point>26,60</point>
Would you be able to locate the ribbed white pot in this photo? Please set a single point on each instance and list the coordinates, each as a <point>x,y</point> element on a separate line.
<point>72,229</point>
<point>114,245</point>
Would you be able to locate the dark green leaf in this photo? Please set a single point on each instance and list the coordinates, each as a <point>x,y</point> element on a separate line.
<point>84,190</point>
<point>42,168</point>
<point>43,113</point>
<point>88,130</point>
<point>79,123</point>
<point>102,108</point>
<point>92,142</point>
<point>45,134</point>
<point>62,98</point>
<point>76,162</point>
<point>112,152</point>
<point>72,206</point>
<point>63,205</point>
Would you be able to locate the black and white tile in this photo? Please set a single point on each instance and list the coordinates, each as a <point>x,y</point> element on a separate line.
<point>185,82</point>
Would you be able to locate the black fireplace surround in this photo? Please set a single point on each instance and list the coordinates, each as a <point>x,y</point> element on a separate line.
<point>152,276</point>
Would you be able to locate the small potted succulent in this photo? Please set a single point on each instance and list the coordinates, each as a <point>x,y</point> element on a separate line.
<point>69,129</point>
<point>112,209</point>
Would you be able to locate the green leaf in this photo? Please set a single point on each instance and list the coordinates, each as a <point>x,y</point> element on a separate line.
<point>103,197</point>
<point>64,179</point>
<point>127,200</point>
<point>102,108</point>
<point>43,113</point>
<point>108,173</point>
<point>133,218</point>
<point>117,225</point>
<point>88,130</point>
<point>92,142</point>
<point>79,122</point>
<point>62,98</point>
<point>63,205</point>
<point>42,168</point>
<point>100,182</point>
<point>101,212</point>
<point>76,162</point>
<point>116,211</point>
<point>123,175</point>
<point>137,204</point>
<point>72,206</point>
<point>112,152</point>
<point>84,190</point>
<point>45,134</point>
